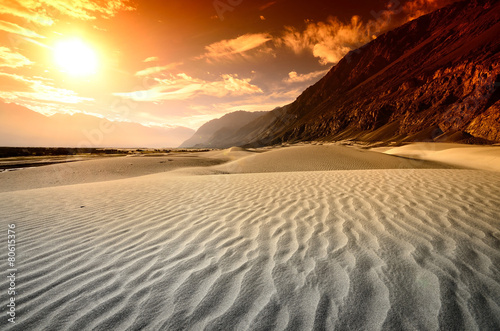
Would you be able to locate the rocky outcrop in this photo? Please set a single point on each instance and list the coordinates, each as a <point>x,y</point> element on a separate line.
<point>487,125</point>
<point>436,75</point>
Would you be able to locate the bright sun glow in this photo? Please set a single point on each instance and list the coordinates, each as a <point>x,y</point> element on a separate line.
<point>75,57</point>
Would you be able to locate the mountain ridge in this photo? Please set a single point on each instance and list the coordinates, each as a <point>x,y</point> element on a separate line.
<point>222,132</point>
<point>433,78</point>
<point>22,127</point>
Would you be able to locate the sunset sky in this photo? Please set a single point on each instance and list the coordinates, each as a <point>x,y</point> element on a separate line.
<point>180,63</point>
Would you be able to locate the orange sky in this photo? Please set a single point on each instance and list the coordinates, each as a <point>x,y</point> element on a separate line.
<point>181,63</point>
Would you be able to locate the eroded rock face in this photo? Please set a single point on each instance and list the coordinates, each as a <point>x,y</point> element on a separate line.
<point>487,125</point>
<point>437,74</point>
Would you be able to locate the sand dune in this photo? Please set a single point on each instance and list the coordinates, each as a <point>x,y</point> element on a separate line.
<point>321,158</point>
<point>384,249</point>
<point>100,169</point>
<point>477,157</point>
<point>230,161</point>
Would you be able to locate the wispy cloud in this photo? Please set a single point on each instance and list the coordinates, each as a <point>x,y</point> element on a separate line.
<point>183,86</point>
<point>13,83</point>
<point>200,114</point>
<point>10,59</point>
<point>331,40</point>
<point>157,69</point>
<point>29,11</point>
<point>26,91</point>
<point>14,28</point>
<point>262,102</point>
<point>38,11</point>
<point>416,8</point>
<point>294,77</point>
<point>240,46</point>
<point>151,59</point>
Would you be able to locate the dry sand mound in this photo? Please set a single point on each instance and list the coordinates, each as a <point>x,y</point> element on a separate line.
<point>478,157</point>
<point>99,169</point>
<point>321,158</point>
<point>345,250</point>
<point>237,149</point>
<point>239,160</point>
<point>229,154</point>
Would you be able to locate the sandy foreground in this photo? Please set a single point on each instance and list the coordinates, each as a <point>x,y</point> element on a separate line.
<point>299,238</point>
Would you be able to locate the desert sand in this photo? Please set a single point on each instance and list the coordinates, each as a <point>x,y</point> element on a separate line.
<point>298,238</point>
<point>477,157</point>
<point>97,169</point>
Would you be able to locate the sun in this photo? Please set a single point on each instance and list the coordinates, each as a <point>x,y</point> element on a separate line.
<point>75,57</point>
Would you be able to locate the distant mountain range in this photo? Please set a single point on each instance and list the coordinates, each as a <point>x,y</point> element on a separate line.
<point>436,78</point>
<point>22,127</point>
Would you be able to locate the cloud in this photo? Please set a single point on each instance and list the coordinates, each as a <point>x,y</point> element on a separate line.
<point>25,91</point>
<point>85,9</point>
<point>157,69</point>
<point>12,60</point>
<point>27,11</point>
<point>36,94</point>
<point>183,86</point>
<point>397,13</point>
<point>294,77</point>
<point>236,86</point>
<point>151,59</point>
<point>330,41</point>
<point>38,11</point>
<point>230,48</point>
<point>14,83</point>
<point>264,102</point>
<point>416,8</point>
<point>14,28</point>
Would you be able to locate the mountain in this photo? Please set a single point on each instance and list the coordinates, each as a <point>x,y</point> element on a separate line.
<point>223,132</point>
<point>20,126</point>
<point>434,78</point>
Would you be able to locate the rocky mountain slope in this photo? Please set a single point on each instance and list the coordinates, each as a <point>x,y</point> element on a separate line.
<point>434,78</point>
<point>22,127</point>
<point>222,132</point>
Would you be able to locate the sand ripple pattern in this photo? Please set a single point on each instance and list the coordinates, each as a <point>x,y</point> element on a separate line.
<point>339,250</point>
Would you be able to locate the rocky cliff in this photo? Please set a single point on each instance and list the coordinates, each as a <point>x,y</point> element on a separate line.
<point>434,78</point>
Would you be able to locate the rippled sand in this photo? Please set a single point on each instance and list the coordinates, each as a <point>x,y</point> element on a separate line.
<point>384,249</point>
